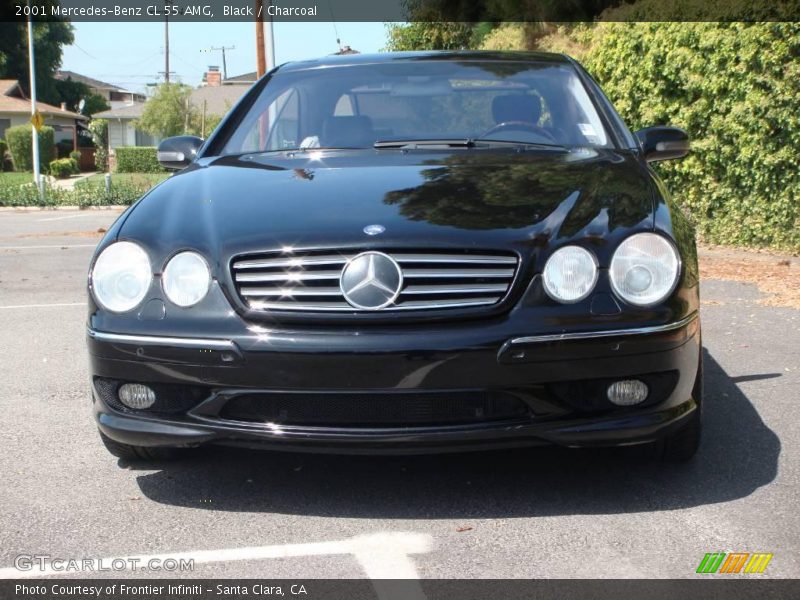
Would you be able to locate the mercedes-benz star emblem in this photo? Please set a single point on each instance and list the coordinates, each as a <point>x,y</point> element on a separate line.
<point>374,229</point>
<point>371,281</point>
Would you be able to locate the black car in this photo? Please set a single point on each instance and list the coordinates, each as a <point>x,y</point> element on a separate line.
<point>413,252</point>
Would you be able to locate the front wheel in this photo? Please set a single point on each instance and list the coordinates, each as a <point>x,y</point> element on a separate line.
<point>137,453</point>
<point>682,445</point>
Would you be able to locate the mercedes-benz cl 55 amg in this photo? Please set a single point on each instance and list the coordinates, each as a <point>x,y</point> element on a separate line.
<point>412,252</point>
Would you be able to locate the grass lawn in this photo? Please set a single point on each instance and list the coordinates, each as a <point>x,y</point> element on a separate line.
<point>143,180</point>
<point>15,178</point>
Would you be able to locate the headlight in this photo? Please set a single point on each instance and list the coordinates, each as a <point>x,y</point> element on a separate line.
<point>186,279</point>
<point>644,269</point>
<point>121,277</point>
<point>570,274</point>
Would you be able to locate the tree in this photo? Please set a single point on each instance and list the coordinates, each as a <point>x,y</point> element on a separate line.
<point>72,92</point>
<point>428,36</point>
<point>94,103</point>
<point>99,131</point>
<point>49,37</point>
<point>169,111</point>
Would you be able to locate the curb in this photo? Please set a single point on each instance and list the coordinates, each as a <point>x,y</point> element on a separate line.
<point>58,207</point>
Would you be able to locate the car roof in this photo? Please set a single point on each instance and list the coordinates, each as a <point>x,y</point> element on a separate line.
<point>439,55</point>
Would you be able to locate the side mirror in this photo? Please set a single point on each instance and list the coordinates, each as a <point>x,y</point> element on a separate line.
<point>177,152</point>
<point>663,143</point>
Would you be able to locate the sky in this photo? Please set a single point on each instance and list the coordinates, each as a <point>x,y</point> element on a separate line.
<point>130,55</point>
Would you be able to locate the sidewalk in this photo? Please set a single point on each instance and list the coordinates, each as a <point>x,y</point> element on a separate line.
<point>68,184</point>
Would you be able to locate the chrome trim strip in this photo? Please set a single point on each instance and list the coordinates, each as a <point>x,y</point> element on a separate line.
<point>454,258</point>
<point>153,340</point>
<point>458,273</point>
<point>588,335</point>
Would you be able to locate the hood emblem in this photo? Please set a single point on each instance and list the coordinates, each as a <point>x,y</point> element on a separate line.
<point>371,281</point>
<point>374,229</point>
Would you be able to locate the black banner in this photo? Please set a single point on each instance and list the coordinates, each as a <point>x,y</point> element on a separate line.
<point>711,588</point>
<point>401,10</point>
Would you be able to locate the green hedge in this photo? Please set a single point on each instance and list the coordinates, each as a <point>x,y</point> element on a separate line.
<point>89,195</point>
<point>735,87</point>
<point>62,167</point>
<point>137,159</point>
<point>20,144</point>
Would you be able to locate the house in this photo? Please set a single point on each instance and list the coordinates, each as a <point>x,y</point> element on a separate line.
<point>114,95</point>
<point>15,109</point>
<point>216,97</point>
<point>122,129</point>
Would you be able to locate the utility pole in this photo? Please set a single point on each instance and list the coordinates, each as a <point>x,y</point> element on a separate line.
<point>167,4</point>
<point>261,66</point>
<point>34,128</point>
<point>224,63</point>
<point>270,41</point>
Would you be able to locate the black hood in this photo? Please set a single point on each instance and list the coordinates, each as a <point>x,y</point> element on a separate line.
<point>466,198</point>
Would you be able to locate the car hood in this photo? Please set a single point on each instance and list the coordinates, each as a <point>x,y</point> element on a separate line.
<point>465,198</point>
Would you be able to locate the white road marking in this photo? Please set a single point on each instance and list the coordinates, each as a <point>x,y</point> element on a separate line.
<point>78,216</point>
<point>382,555</point>
<point>48,246</point>
<point>56,305</point>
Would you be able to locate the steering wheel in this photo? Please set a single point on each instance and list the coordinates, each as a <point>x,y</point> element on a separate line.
<point>520,125</point>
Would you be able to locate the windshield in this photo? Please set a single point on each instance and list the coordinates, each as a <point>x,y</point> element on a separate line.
<point>357,106</point>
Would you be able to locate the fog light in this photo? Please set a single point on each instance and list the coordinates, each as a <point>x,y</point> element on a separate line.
<point>136,396</point>
<point>627,392</point>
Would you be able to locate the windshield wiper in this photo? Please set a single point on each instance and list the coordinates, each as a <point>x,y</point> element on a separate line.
<point>464,143</point>
<point>451,143</point>
<point>518,143</point>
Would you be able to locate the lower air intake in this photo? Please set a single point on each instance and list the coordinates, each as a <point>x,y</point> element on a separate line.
<point>372,409</point>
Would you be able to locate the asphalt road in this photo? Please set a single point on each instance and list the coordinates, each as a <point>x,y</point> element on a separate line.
<point>533,513</point>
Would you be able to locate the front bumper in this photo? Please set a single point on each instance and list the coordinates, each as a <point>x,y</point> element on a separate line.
<point>393,363</point>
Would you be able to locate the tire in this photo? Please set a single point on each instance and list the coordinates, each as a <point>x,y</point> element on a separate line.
<point>683,444</point>
<point>137,453</point>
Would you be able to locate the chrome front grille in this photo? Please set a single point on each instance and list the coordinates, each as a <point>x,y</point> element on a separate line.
<point>308,280</point>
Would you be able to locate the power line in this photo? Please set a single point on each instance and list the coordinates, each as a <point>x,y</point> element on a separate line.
<point>224,63</point>
<point>335,30</point>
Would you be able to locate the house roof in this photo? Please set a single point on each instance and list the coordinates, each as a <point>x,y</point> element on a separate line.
<point>13,101</point>
<point>131,111</point>
<point>239,79</point>
<point>218,99</point>
<point>92,83</point>
<point>8,87</point>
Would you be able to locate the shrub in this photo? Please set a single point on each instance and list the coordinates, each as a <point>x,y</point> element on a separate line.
<point>99,131</point>
<point>734,88</point>
<point>62,167</point>
<point>138,159</point>
<point>75,157</point>
<point>20,144</point>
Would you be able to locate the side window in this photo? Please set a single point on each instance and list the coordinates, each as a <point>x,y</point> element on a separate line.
<point>344,107</point>
<point>276,128</point>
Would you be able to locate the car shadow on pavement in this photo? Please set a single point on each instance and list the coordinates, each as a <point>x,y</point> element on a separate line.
<point>738,455</point>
